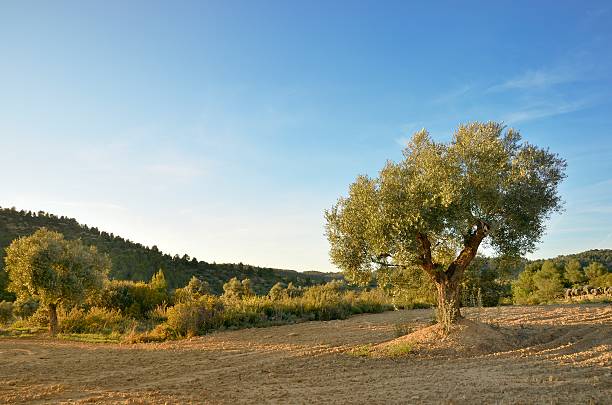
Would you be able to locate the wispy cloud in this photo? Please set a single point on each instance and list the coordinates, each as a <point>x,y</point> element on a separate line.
<point>544,111</point>
<point>538,79</point>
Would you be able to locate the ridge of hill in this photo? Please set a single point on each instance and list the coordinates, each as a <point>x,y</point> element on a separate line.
<point>134,261</point>
<point>603,256</point>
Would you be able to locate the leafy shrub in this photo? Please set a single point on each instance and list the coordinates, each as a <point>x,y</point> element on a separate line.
<point>25,308</point>
<point>277,292</point>
<point>159,314</point>
<point>523,288</point>
<point>6,312</point>
<point>95,320</point>
<point>134,299</point>
<point>235,289</point>
<point>194,317</point>
<point>40,317</point>
<point>598,275</point>
<point>192,291</point>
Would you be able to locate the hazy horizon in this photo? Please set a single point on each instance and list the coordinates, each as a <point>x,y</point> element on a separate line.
<point>224,130</point>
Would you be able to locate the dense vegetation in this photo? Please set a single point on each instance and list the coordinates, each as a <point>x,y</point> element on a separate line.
<point>573,275</point>
<point>147,311</point>
<point>133,261</point>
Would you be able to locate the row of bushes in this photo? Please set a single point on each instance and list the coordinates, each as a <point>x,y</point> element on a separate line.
<point>326,302</point>
<point>196,312</point>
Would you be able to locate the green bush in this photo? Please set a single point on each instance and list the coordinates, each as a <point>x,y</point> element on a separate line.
<point>523,288</point>
<point>95,320</point>
<point>134,299</point>
<point>24,309</point>
<point>6,312</point>
<point>278,292</point>
<point>40,318</point>
<point>235,289</point>
<point>194,317</point>
<point>192,291</point>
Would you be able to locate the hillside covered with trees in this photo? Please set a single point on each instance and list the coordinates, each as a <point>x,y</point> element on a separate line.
<point>133,261</point>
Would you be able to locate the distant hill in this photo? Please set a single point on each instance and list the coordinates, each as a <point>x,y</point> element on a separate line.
<point>603,256</point>
<point>133,261</point>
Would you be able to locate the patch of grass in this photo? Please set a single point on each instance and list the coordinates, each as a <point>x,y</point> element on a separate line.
<point>399,349</point>
<point>90,337</point>
<point>361,350</point>
<point>13,332</point>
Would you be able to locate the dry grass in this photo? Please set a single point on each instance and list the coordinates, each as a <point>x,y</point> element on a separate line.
<point>560,354</point>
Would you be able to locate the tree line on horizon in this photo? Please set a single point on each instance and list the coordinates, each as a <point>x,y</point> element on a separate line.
<point>134,261</point>
<point>488,280</point>
<point>63,285</point>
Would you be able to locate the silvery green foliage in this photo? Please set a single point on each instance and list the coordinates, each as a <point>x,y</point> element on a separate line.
<point>484,179</point>
<point>52,269</point>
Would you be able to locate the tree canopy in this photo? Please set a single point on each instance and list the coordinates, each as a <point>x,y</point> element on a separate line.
<point>54,270</point>
<point>433,209</point>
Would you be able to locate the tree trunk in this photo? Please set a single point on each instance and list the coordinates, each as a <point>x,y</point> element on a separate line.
<point>52,319</point>
<point>449,301</point>
<point>448,282</point>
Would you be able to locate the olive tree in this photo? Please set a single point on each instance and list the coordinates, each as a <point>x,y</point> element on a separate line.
<point>54,270</point>
<point>434,209</point>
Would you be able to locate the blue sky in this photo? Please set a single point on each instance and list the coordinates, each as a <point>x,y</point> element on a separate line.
<point>224,129</point>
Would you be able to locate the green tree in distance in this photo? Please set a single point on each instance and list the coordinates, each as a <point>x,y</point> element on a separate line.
<point>235,289</point>
<point>574,272</point>
<point>548,282</point>
<point>54,270</point>
<point>594,270</point>
<point>432,210</point>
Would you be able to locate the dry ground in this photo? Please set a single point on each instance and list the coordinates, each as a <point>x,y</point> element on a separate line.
<point>562,355</point>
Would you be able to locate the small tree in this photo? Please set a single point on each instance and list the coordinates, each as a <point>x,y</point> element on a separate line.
<point>54,270</point>
<point>548,282</point>
<point>523,288</point>
<point>598,275</point>
<point>432,210</point>
<point>595,270</point>
<point>234,289</point>
<point>574,273</point>
<point>192,291</point>
<point>293,291</point>
<point>277,292</point>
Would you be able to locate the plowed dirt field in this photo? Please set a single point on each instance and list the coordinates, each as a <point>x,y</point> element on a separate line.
<point>561,354</point>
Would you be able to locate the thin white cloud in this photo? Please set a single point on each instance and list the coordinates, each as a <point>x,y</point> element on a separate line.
<point>544,111</point>
<point>538,79</point>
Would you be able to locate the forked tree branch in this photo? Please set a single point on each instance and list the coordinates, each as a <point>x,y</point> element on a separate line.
<point>472,242</point>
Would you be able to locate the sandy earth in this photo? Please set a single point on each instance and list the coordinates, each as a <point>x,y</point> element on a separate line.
<point>563,354</point>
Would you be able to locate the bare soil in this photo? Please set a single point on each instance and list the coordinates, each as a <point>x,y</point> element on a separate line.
<point>546,354</point>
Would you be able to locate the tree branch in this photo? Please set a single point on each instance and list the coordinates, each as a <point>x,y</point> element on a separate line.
<point>467,254</point>
<point>425,255</point>
<point>380,260</point>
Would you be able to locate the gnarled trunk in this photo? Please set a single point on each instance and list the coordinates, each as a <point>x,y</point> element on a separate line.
<point>53,319</point>
<point>449,301</point>
<point>448,282</point>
